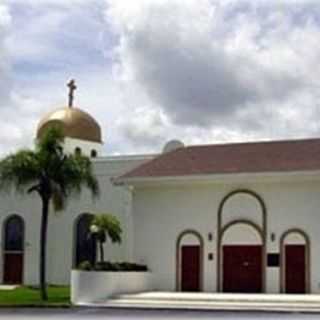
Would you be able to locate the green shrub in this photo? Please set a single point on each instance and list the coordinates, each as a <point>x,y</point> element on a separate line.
<point>128,266</point>
<point>111,266</point>
<point>119,266</point>
<point>85,266</point>
<point>103,266</point>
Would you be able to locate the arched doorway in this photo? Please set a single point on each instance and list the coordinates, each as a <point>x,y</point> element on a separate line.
<point>295,262</point>
<point>242,257</point>
<point>246,206</point>
<point>189,273</point>
<point>85,245</point>
<point>13,250</point>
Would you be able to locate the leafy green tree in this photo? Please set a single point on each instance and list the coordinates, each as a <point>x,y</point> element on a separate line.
<point>51,174</point>
<point>105,226</point>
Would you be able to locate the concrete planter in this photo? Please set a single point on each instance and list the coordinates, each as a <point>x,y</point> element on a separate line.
<point>90,286</point>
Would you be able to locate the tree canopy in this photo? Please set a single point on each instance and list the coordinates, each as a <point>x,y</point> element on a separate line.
<point>104,226</point>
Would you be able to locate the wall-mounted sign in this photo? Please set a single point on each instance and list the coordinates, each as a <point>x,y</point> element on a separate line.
<point>273,260</point>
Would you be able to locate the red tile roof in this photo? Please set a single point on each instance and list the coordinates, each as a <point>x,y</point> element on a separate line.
<point>274,156</point>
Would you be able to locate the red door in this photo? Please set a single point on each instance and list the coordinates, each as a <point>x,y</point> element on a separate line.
<point>295,274</point>
<point>242,269</point>
<point>13,268</point>
<point>190,268</point>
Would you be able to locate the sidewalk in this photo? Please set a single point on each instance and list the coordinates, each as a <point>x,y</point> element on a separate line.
<point>214,301</point>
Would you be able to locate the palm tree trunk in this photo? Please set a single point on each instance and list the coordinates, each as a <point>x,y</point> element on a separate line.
<point>43,245</point>
<point>101,251</point>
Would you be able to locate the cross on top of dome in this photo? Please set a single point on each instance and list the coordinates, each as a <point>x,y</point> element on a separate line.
<point>72,88</point>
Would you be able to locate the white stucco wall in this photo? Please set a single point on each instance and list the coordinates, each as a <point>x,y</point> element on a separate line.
<point>161,213</point>
<point>70,144</point>
<point>114,200</point>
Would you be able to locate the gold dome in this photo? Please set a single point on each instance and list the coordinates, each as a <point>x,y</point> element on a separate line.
<point>75,124</point>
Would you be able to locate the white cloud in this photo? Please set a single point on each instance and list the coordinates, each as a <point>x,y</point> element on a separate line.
<point>57,33</point>
<point>5,22</point>
<point>241,69</point>
<point>11,122</point>
<point>151,70</point>
<point>61,39</point>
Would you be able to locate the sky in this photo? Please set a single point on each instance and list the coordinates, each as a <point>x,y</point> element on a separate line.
<point>149,71</point>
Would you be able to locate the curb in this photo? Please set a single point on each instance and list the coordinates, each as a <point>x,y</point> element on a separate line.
<point>202,310</point>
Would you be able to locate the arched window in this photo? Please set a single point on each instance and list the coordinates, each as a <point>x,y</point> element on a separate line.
<point>77,151</point>
<point>85,245</point>
<point>94,153</point>
<point>14,234</point>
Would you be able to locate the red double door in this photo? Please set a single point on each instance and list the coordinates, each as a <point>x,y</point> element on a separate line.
<point>190,268</point>
<point>242,268</point>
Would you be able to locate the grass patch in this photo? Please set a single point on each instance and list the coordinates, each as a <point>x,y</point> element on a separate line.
<point>29,296</point>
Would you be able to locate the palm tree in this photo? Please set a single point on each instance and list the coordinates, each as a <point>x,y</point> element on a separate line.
<point>105,226</point>
<point>51,174</point>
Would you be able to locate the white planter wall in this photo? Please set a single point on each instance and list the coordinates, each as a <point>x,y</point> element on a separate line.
<point>91,286</point>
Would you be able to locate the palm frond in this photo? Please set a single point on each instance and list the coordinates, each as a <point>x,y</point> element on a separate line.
<point>51,141</point>
<point>59,198</point>
<point>110,225</point>
<point>19,170</point>
<point>49,171</point>
<point>76,173</point>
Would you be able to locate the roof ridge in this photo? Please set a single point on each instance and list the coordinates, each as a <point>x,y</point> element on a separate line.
<point>302,140</point>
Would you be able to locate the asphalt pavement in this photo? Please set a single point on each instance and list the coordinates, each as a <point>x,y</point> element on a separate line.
<point>117,314</point>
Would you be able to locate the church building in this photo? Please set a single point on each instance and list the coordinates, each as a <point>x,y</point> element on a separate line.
<point>240,217</point>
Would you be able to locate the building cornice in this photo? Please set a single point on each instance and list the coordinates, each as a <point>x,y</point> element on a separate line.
<point>282,176</point>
